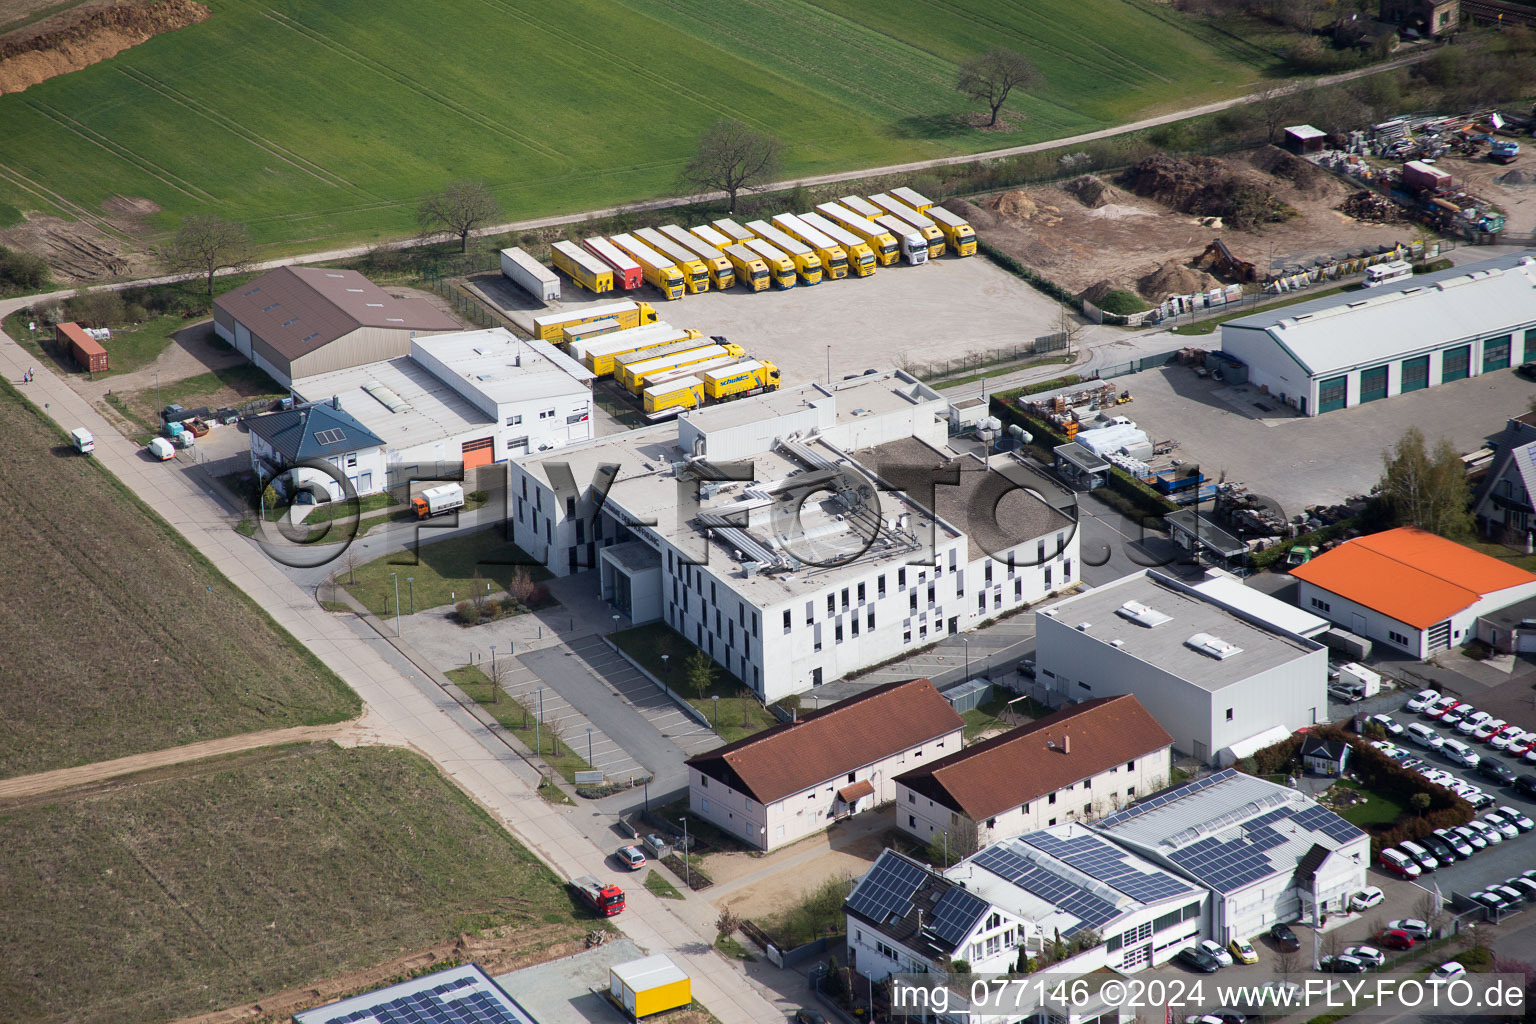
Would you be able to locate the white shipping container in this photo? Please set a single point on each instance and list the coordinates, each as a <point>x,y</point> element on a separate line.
<point>530,275</point>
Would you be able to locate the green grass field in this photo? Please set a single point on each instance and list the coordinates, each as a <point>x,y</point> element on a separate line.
<point>117,637</point>
<point>317,124</point>
<point>202,886</point>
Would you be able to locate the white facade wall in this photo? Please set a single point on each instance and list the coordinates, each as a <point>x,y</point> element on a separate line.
<point>1269,901</point>
<point>365,469</point>
<point>991,948</point>
<point>1201,721</point>
<point>1368,622</point>
<point>809,811</point>
<point>1083,800</point>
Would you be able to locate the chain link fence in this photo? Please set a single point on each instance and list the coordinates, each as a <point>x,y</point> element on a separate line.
<point>981,359</point>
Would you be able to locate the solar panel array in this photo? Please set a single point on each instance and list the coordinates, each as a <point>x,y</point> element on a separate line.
<point>331,436</point>
<point>1013,867</point>
<point>1321,819</point>
<point>1226,864</point>
<point>1166,797</point>
<point>439,1006</point>
<point>887,889</point>
<point>956,914</point>
<point>1097,858</point>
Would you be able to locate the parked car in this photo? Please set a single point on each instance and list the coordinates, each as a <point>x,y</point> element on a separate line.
<point>1197,960</point>
<point>1492,900</point>
<point>1284,939</point>
<point>1458,752</point>
<point>1504,737</point>
<point>1526,784</point>
<point>1519,817</point>
<point>1469,724</point>
<point>1455,842</point>
<point>1526,887</point>
<point>1498,771</point>
<point>1394,938</point>
<point>1440,707</point>
<point>1368,955</point>
<point>1441,849</point>
<point>1387,723</point>
<point>1216,951</point>
<point>1424,736</point>
<point>1340,964</point>
<point>1412,925</point>
<point>1506,828</point>
<point>1491,835</point>
<point>1400,864</point>
<point>1243,952</point>
<point>1446,971</point>
<point>1477,840</point>
<point>631,857</point>
<point>1421,700</point>
<point>1514,897</point>
<point>1438,776</point>
<point>1421,856</point>
<point>1366,898</point>
<point>1488,728</point>
<point>1454,714</point>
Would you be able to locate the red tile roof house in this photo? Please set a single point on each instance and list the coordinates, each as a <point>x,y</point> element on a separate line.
<point>1409,589</point>
<point>1077,764</point>
<point>795,779</point>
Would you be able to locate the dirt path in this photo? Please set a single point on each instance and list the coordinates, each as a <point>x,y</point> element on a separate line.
<point>192,352</point>
<point>365,730</point>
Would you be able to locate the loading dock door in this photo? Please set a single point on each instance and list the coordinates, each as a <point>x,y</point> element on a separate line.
<point>1415,374</point>
<point>1373,384</point>
<point>479,453</point>
<point>1332,394</point>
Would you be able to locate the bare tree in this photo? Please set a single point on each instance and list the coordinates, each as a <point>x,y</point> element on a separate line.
<point>1071,326</point>
<point>205,244</point>
<point>727,922</point>
<point>458,210</point>
<point>1333,943</point>
<point>1277,107</point>
<point>991,76</point>
<point>732,158</point>
<point>1288,962</point>
<point>1429,909</point>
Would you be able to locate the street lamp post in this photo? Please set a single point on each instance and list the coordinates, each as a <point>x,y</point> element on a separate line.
<point>589,746</point>
<point>615,625</point>
<point>829,366</point>
<point>538,720</point>
<point>157,393</point>
<point>716,699</point>
<point>666,672</point>
<point>495,690</point>
<point>967,641</point>
<point>687,864</point>
<point>410,582</point>
<point>396,578</point>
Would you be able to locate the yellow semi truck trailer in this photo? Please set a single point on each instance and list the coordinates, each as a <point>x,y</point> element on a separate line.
<point>628,314</point>
<point>749,266</point>
<point>807,263</point>
<point>834,261</point>
<point>781,269</point>
<point>957,232</point>
<point>659,271</point>
<point>578,333</point>
<point>925,225</point>
<point>721,274</point>
<point>880,240</point>
<point>602,355</point>
<point>620,360</point>
<point>861,258</point>
<point>633,376</point>
<point>582,267</point>
<point>695,273</point>
<point>739,379</point>
<point>673,396</point>
<point>914,199</point>
<point>861,206</point>
<point>735,232</point>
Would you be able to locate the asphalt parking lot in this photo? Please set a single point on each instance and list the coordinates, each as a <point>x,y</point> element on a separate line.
<point>1300,461</point>
<point>943,309</point>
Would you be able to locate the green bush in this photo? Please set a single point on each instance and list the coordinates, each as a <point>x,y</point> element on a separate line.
<point>22,271</point>
<point>1142,498</point>
<point>1272,555</point>
<point>1121,302</point>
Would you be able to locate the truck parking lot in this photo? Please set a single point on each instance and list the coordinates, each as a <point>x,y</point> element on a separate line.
<point>1300,461</point>
<point>944,309</point>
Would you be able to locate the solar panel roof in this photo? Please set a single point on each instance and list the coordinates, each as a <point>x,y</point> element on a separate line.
<point>887,889</point>
<point>1099,859</point>
<point>956,914</point>
<point>1012,866</point>
<point>459,995</point>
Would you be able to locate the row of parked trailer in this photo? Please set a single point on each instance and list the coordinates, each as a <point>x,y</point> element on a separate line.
<point>853,235</point>
<point>668,369</point>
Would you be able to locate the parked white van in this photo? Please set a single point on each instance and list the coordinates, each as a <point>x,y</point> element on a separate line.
<point>1458,752</point>
<point>1424,736</point>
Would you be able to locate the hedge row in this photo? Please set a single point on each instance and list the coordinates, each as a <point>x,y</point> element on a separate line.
<point>1267,558</point>
<point>1144,499</point>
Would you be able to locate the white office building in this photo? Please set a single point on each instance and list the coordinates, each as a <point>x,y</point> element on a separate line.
<point>800,535</point>
<point>1221,676</point>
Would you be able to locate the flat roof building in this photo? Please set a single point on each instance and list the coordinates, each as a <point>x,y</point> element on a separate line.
<point>1266,852</point>
<point>296,322</point>
<point>801,534</point>
<point>1356,347</point>
<point>1210,670</point>
<point>457,995</point>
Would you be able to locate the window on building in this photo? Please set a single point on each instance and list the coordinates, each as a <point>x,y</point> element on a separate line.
<point>786,621</point>
<point>906,636</point>
<point>1130,766</point>
<point>831,604</point>
<point>516,420</point>
<point>986,575</point>
<point>1087,809</point>
<point>870,621</point>
<point>546,414</point>
<point>1229,714</point>
<point>912,601</point>
<point>1130,791</point>
<point>861,593</point>
<point>1320,604</point>
<point>1495,353</point>
<point>922,632</point>
<point>1397,638</point>
<point>1051,799</point>
<point>845,599</point>
<point>911,821</point>
<point>853,623</point>
<point>931,593</point>
<point>1066,569</point>
<point>901,578</point>
<point>880,585</point>
<point>838,633</point>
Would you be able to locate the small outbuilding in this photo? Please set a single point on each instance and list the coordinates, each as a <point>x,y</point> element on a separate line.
<point>1303,138</point>
<point>652,985</point>
<point>1323,756</point>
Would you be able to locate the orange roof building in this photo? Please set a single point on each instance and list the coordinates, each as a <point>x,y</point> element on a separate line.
<point>1411,589</point>
<point>795,779</point>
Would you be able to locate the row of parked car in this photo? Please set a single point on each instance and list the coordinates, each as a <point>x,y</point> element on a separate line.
<point>1444,846</point>
<point>1480,726</point>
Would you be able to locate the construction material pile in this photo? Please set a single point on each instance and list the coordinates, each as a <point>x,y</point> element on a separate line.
<point>1207,187</point>
<point>1174,279</point>
<point>1372,207</point>
<point>1248,515</point>
<point>1516,178</point>
<point>1090,191</point>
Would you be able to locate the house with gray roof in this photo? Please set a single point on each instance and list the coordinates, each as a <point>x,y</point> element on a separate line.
<point>1506,499</point>
<point>1265,852</point>
<point>1361,346</point>
<point>319,432</point>
<point>296,322</point>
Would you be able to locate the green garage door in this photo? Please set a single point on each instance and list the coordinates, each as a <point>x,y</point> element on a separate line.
<point>1373,384</point>
<point>1332,394</point>
<point>1453,363</point>
<point>1530,347</point>
<point>1415,374</point>
<point>1495,353</point>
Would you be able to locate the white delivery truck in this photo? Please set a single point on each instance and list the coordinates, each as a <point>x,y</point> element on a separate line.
<point>83,441</point>
<point>162,449</point>
<point>530,275</point>
<point>440,500</point>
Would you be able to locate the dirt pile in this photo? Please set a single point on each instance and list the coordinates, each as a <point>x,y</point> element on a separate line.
<point>1019,205</point>
<point>85,36</point>
<point>1174,279</point>
<point>1516,178</point>
<point>1303,174</point>
<point>1091,192</point>
<point>1095,292</point>
<point>1371,208</point>
<point>1208,187</point>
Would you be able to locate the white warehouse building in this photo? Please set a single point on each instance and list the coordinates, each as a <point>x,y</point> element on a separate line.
<point>1357,347</point>
<point>476,397</point>
<point>1223,679</point>
<point>789,535</point>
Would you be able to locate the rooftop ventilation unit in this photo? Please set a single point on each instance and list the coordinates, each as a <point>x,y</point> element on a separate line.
<point>1212,646</point>
<point>1143,615</point>
<point>1117,642</point>
<point>1082,627</point>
